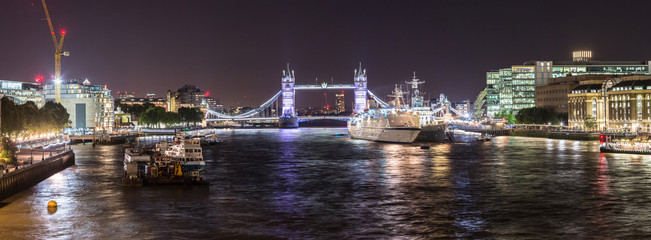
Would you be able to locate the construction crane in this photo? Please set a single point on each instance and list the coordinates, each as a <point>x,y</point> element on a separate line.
<point>58,52</point>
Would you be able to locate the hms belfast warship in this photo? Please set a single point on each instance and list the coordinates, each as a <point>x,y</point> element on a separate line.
<point>432,129</point>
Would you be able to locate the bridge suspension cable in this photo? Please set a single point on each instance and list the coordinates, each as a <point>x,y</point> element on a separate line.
<point>247,114</point>
<point>377,99</point>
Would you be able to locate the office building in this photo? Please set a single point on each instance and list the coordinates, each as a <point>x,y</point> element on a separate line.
<point>516,86</point>
<point>89,106</point>
<point>340,102</point>
<point>22,92</point>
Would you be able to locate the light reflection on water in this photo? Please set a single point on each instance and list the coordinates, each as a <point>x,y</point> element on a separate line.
<point>314,183</point>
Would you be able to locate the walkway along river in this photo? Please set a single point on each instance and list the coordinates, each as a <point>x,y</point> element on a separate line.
<point>318,183</point>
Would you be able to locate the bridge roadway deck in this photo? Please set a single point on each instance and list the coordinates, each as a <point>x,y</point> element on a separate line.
<point>300,119</point>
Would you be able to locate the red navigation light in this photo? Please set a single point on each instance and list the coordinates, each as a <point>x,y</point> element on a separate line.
<point>207,94</point>
<point>39,79</point>
<point>63,32</point>
<point>328,106</point>
<point>342,91</point>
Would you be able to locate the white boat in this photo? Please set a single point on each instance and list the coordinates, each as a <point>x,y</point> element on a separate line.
<point>135,155</point>
<point>135,160</point>
<point>187,152</point>
<point>386,125</point>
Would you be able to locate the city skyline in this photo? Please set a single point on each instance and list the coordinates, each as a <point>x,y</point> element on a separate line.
<point>228,47</point>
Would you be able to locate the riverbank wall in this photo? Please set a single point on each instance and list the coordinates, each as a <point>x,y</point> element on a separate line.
<point>24,178</point>
<point>556,135</point>
<point>104,139</point>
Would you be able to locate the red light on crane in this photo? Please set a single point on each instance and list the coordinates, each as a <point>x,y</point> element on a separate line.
<point>63,32</point>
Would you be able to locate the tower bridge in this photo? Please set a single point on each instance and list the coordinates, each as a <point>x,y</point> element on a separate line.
<point>282,105</point>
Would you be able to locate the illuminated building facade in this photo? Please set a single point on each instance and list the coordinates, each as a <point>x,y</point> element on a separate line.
<point>340,102</point>
<point>492,93</point>
<point>506,89</point>
<point>517,87</point>
<point>22,92</point>
<point>583,100</point>
<point>554,95</point>
<point>627,107</point>
<point>89,106</point>
<point>158,102</point>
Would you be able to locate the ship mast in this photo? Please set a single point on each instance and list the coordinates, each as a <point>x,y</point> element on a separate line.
<point>397,94</point>
<point>416,98</point>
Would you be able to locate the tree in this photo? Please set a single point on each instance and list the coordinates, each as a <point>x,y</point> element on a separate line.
<point>12,117</point>
<point>8,151</point>
<point>534,115</point>
<point>507,115</point>
<point>590,122</point>
<point>152,116</point>
<point>30,115</point>
<point>170,118</point>
<point>191,115</point>
<point>58,114</point>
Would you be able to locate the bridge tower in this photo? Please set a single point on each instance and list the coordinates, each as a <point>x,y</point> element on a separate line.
<point>360,89</point>
<point>288,117</point>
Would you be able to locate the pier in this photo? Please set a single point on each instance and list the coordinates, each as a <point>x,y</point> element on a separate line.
<point>104,138</point>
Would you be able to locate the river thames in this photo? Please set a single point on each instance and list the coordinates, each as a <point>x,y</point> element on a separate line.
<point>318,183</point>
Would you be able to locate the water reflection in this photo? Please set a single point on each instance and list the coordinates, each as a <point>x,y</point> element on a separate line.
<point>313,183</point>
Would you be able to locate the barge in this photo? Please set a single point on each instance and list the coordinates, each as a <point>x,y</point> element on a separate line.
<point>178,163</point>
<point>637,145</point>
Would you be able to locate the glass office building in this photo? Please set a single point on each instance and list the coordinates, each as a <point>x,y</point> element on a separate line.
<point>22,92</point>
<point>516,86</point>
<point>492,93</point>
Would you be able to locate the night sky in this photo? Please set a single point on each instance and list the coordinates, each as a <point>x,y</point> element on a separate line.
<point>239,48</point>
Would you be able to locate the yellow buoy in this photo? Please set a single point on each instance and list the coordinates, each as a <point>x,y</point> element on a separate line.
<point>51,204</point>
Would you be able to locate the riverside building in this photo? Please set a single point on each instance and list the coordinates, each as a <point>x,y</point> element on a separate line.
<point>90,106</point>
<point>554,95</point>
<point>22,92</point>
<point>627,106</point>
<point>517,85</point>
<point>158,102</point>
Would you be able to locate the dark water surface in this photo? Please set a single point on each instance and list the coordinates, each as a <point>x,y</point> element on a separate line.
<point>317,183</point>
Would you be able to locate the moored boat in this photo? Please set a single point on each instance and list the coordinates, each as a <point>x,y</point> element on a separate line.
<point>188,153</point>
<point>386,125</point>
<point>399,127</point>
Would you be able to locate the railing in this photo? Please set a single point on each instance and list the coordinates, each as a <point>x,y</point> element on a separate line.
<point>24,178</point>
